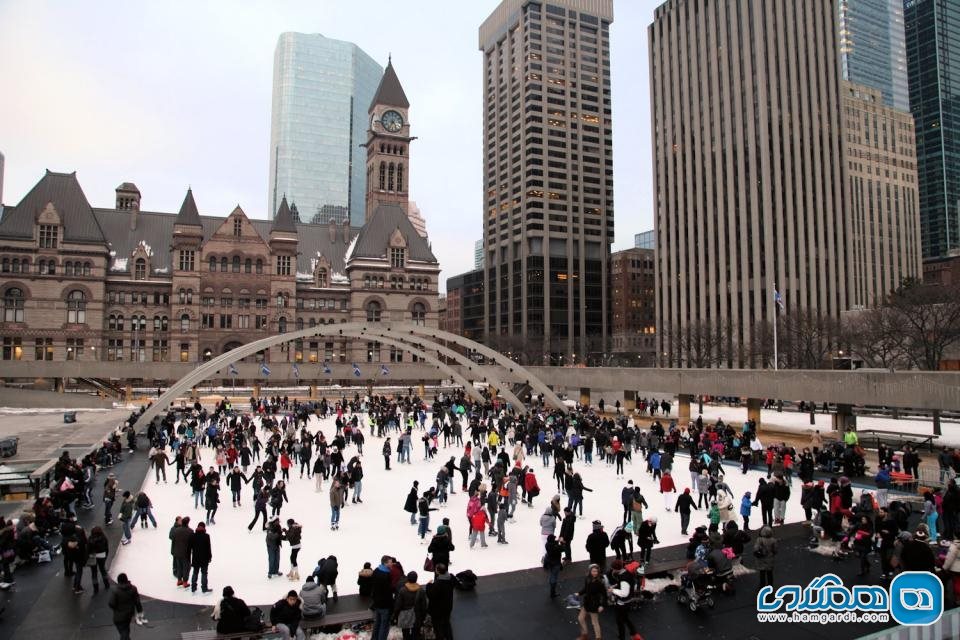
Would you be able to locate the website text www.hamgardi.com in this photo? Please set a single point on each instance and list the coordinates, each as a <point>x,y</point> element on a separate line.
<point>824,617</point>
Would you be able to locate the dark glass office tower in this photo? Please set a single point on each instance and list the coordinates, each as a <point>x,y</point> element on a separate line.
<point>932,30</point>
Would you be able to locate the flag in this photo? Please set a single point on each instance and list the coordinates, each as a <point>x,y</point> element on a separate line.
<point>233,370</point>
<point>778,299</point>
<point>356,370</point>
<point>384,371</point>
<point>264,369</point>
<point>326,368</point>
<point>296,371</point>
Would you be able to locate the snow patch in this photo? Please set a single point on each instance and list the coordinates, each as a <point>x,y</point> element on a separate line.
<point>146,248</point>
<point>350,248</point>
<point>304,277</point>
<point>119,264</point>
<point>162,270</point>
<point>339,278</point>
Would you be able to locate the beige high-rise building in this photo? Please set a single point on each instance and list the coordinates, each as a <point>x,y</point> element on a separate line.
<point>548,175</point>
<point>749,184</point>
<point>881,156</point>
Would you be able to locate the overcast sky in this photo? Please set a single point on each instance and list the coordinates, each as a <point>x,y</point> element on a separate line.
<point>173,93</point>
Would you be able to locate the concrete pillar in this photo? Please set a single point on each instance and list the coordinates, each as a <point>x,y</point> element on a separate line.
<point>58,385</point>
<point>421,391</point>
<point>629,401</point>
<point>585,396</point>
<point>936,423</point>
<point>844,418</point>
<point>369,389</point>
<point>194,396</point>
<point>313,391</point>
<point>683,412</point>
<point>128,393</point>
<point>753,410</point>
<point>256,390</point>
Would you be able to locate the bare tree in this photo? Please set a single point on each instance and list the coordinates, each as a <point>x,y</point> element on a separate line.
<point>704,343</point>
<point>929,317</point>
<point>876,336</point>
<point>760,351</point>
<point>807,338</point>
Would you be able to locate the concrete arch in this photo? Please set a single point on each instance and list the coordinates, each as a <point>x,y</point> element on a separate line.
<point>396,329</point>
<point>466,384</point>
<point>487,376</point>
<point>520,372</point>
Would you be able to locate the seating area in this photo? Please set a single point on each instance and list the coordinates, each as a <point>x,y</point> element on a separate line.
<point>346,618</point>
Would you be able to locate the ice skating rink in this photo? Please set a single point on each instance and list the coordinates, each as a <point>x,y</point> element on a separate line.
<point>381,526</point>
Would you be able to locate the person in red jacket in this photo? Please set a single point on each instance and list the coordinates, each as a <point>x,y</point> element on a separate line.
<point>531,487</point>
<point>285,464</point>
<point>667,487</point>
<point>478,525</point>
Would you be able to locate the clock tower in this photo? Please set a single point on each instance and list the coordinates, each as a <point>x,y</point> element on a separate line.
<point>388,146</point>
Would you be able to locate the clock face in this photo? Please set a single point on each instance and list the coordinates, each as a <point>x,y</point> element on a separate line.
<point>391,121</point>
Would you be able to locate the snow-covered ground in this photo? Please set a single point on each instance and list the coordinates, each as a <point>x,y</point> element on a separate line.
<point>381,526</point>
<point>792,420</point>
<point>44,411</point>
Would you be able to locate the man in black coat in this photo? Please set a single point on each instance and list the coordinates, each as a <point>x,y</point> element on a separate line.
<point>285,616</point>
<point>382,599</point>
<point>566,532</point>
<point>125,602</point>
<point>201,554</point>
<point>597,544</point>
<point>233,613</point>
<point>440,602</point>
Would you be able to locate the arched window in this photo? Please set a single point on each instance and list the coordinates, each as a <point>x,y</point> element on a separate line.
<point>41,267</point>
<point>13,305</point>
<point>140,269</point>
<point>68,268</point>
<point>163,323</point>
<point>185,323</point>
<point>87,268</point>
<point>236,264</point>
<point>5,265</point>
<point>120,322</point>
<point>213,263</point>
<point>399,177</point>
<point>321,277</point>
<point>282,325</point>
<point>390,173</point>
<point>373,311</point>
<point>248,265</point>
<point>419,314</point>
<point>76,307</point>
<point>299,324</point>
<point>383,176</point>
<point>142,325</point>
<point>156,323</point>
<point>366,281</point>
<point>223,264</point>
<point>25,265</point>
<point>189,296</point>
<point>259,266</point>
<point>313,322</point>
<point>182,293</point>
<point>112,322</point>
<point>52,267</point>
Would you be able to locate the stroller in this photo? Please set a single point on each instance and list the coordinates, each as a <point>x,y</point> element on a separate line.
<point>696,589</point>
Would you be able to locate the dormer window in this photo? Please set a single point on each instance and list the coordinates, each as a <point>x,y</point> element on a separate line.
<point>140,269</point>
<point>237,227</point>
<point>49,236</point>
<point>321,277</point>
<point>398,257</point>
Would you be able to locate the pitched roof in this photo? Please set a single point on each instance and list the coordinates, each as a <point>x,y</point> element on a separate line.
<point>67,197</point>
<point>188,211</point>
<point>283,221</point>
<point>390,92</point>
<point>128,186</point>
<point>374,237</point>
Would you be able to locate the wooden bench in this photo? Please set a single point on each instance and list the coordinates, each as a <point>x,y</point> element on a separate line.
<point>309,625</point>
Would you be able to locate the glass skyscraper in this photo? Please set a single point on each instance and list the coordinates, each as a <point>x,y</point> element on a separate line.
<point>932,29</point>
<point>872,49</point>
<point>322,89</point>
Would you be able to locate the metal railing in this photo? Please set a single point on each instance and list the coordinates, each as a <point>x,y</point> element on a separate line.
<point>947,627</point>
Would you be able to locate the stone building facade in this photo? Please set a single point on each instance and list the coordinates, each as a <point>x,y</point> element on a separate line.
<point>85,283</point>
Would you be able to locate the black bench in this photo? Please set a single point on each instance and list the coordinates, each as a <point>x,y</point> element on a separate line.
<point>308,625</point>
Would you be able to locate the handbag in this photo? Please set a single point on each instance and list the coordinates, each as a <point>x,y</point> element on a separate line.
<point>428,564</point>
<point>629,527</point>
<point>407,618</point>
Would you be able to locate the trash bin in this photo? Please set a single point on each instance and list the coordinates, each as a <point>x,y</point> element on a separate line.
<point>70,417</point>
<point>8,447</point>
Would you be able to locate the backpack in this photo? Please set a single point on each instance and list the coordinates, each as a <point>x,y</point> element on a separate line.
<point>254,621</point>
<point>760,550</point>
<point>467,580</point>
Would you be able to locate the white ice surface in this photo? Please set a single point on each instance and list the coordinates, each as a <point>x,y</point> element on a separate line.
<point>381,526</point>
<point>792,420</point>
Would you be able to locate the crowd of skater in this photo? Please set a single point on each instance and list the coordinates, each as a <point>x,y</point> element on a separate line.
<point>254,451</point>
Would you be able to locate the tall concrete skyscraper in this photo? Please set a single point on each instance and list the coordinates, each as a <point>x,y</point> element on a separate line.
<point>749,186</point>
<point>932,30</point>
<point>872,48</point>
<point>548,174</point>
<point>881,169</point>
<point>322,89</point>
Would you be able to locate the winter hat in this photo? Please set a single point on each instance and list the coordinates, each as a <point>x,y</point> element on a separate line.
<point>228,592</point>
<point>687,490</point>
<point>746,495</point>
<point>630,482</point>
<point>597,525</point>
<point>441,530</point>
<point>617,564</point>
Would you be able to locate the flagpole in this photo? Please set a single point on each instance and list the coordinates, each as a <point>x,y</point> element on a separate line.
<point>775,356</point>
